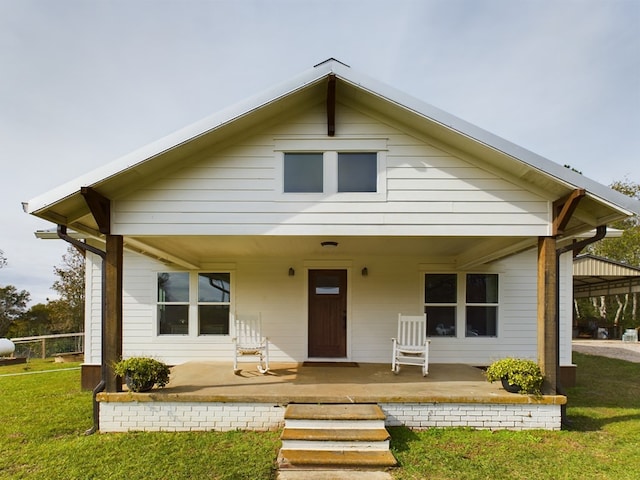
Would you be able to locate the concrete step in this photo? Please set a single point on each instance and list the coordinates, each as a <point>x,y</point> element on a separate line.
<point>335,439</point>
<point>338,437</point>
<point>305,474</point>
<point>357,416</point>
<point>335,459</point>
<point>362,411</point>
<point>331,445</point>
<point>347,435</point>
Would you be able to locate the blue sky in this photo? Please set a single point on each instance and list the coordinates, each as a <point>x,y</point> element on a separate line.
<point>83,83</point>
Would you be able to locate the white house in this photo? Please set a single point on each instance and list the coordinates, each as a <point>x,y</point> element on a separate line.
<point>329,204</point>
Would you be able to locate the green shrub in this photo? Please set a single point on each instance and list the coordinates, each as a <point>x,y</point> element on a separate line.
<point>142,373</point>
<point>521,372</point>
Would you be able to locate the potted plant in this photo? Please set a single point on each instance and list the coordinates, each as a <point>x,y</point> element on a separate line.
<point>142,373</point>
<point>517,375</point>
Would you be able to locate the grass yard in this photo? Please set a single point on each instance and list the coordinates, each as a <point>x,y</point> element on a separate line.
<point>43,417</point>
<point>602,441</point>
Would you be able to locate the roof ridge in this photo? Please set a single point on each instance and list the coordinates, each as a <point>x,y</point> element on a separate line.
<point>329,60</point>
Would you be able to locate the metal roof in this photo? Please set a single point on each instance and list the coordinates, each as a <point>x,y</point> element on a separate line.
<point>595,276</point>
<point>603,205</point>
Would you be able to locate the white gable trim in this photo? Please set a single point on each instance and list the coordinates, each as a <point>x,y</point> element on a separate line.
<point>449,125</point>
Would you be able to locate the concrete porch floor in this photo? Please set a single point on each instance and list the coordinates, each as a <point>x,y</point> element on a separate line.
<point>297,383</point>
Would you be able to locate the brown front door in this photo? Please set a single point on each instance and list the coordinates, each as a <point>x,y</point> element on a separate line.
<point>328,313</point>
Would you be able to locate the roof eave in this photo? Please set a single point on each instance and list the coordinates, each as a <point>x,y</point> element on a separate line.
<point>448,125</point>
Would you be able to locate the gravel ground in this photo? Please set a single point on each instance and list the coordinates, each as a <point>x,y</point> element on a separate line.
<point>629,351</point>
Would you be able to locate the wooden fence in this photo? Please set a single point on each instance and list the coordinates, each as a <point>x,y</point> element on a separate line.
<point>44,346</point>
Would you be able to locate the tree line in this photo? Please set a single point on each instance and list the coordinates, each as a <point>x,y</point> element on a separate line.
<point>62,315</point>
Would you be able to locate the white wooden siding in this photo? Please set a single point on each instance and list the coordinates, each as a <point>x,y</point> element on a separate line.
<point>93,309</point>
<point>565,280</point>
<point>428,191</point>
<point>393,285</point>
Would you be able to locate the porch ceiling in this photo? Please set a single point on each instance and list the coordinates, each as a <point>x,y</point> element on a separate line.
<point>197,251</point>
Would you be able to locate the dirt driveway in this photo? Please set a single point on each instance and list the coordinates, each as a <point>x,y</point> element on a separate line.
<point>629,351</point>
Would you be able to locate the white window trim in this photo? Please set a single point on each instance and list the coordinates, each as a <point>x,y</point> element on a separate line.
<point>461,305</point>
<point>330,147</point>
<point>193,306</point>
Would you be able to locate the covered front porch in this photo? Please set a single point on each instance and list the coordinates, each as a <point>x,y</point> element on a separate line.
<point>208,396</point>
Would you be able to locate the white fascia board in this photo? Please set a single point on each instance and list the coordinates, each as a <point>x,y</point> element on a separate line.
<point>559,173</point>
<point>175,139</point>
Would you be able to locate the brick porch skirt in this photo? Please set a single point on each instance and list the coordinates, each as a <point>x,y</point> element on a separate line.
<point>167,416</point>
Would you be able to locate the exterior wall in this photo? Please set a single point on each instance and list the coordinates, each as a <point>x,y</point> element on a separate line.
<point>207,416</point>
<point>93,309</point>
<point>424,189</point>
<point>566,309</point>
<point>262,285</point>
<point>428,190</point>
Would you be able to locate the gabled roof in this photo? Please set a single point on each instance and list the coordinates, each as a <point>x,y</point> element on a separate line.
<point>65,204</point>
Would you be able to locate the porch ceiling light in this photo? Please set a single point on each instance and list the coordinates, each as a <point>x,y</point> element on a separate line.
<point>329,244</point>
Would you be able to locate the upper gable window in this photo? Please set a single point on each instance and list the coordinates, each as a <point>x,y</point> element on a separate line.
<point>357,172</point>
<point>330,172</point>
<point>343,169</point>
<point>303,172</point>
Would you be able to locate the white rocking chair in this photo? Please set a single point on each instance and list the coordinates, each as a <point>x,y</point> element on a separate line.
<point>411,347</point>
<point>248,340</point>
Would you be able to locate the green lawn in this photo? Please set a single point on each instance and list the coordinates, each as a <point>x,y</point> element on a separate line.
<point>43,417</point>
<point>601,442</point>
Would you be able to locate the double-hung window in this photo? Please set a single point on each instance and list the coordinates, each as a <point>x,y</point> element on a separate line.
<point>456,303</point>
<point>214,302</point>
<point>481,305</point>
<point>190,302</point>
<point>441,302</point>
<point>173,303</point>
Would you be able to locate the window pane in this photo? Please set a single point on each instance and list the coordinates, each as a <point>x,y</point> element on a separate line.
<point>214,287</point>
<point>357,172</point>
<point>173,287</point>
<point>213,319</point>
<point>173,319</point>
<point>441,321</point>
<point>441,288</point>
<point>303,172</point>
<point>482,321</point>
<point>482,288</point>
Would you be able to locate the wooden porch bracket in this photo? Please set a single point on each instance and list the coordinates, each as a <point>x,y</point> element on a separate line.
<point>331,106</point>
<point>100,207</point>
<point>563,210</point>
<point>548,291</point>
